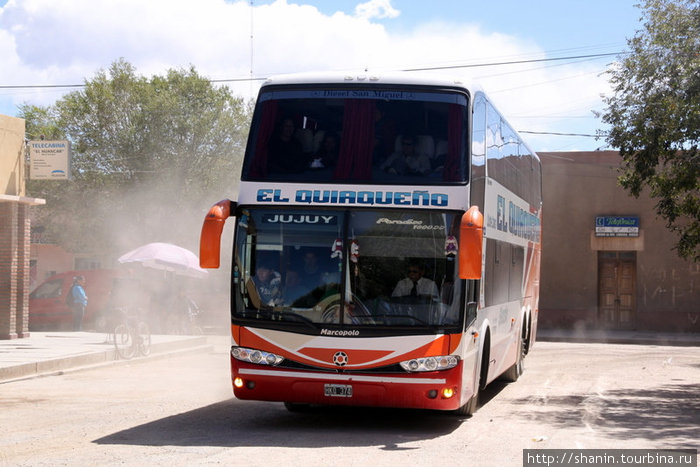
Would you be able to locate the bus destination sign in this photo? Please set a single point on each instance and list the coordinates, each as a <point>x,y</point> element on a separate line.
<point>617,226</point>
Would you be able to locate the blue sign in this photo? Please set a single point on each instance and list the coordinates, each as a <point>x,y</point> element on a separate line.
<point>617,226</point>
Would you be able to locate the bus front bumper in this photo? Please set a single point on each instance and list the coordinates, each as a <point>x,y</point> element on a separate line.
<point>438,390</point>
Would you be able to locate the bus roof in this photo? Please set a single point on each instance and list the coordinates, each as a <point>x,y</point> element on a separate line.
<point>396,78</point>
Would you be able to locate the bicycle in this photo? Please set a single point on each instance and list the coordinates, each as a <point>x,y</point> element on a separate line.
<point>131,336</point>
<point>184,321</point>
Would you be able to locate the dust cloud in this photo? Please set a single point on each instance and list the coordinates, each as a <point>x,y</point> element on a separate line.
<point>163,211</point>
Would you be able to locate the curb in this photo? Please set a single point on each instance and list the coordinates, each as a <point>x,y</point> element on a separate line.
<point>662,340</point>
<point>71,363</point>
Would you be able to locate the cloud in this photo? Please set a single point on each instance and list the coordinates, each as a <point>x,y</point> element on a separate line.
<point>376,9</point>
<point>66,42</point>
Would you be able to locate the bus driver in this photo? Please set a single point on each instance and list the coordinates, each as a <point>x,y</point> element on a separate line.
<point>415,285</point>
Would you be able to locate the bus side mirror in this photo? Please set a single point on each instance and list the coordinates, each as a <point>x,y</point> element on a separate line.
<point>210,239</point>
<point>471,238</point>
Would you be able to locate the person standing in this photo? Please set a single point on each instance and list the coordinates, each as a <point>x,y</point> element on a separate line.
<point>79,302</point>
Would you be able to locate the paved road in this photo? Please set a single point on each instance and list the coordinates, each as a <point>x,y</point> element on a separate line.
<point>180,411</point>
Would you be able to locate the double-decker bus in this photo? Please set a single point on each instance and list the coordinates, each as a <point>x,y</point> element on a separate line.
<point>386,248</point>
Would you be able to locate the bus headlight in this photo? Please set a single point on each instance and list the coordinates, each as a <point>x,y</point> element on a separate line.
<point>444,362</point>
<point>256,356</point>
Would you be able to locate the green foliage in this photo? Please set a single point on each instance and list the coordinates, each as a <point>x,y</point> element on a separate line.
<point>655,116</point>
<point>40,123</point>
<point>149,156</point>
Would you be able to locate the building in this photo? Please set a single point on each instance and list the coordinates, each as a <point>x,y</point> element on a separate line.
<point>15,226</point>
<point>625,276</point>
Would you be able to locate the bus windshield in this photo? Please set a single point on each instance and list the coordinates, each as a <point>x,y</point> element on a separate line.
<point>376,268</point>
<point>333,134</point>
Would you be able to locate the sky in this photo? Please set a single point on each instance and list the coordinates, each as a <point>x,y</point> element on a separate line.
<point>65,42</point>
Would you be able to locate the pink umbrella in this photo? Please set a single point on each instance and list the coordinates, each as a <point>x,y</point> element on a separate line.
<point>167,257</point>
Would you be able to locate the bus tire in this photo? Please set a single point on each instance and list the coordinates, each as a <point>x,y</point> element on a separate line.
<point>512,374</point>
<point>528,341</point>
<point>469,408</point>
<point>473,403</point>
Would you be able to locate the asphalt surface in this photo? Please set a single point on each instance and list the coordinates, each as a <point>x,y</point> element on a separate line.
<point>49,353</point>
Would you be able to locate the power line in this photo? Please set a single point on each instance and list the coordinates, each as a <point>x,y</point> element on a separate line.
<point>38,86</point>
<point>513,117</point>
<point>492,75</point>
<point>233,80</point>
<point>513,62</point>
<point>434,68</point>
<point>561,134</point>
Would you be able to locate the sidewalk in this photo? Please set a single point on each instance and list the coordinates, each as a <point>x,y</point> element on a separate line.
<point>619,337</point>
<point>47,353</point>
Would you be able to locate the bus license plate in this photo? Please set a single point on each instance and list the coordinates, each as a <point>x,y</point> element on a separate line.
<point>337,390</point>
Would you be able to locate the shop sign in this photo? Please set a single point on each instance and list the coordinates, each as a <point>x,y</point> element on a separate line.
<point>617,226</point>
<point>49,160</point>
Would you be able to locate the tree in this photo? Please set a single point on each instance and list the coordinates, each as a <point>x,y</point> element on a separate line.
<point>654,116</point>
<point>149,156</point>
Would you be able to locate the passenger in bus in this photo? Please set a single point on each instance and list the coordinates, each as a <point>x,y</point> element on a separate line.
<point>268,283</point>
<point>327,153</point>
<point>285,153</point>
<point>414,284</point>
<point>311,273</point>
<point>407,161</point>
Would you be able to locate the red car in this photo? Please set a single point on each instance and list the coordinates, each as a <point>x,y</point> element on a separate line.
<point>47,303</point>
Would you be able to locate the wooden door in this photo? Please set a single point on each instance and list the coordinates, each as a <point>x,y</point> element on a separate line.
<point>617,279</point>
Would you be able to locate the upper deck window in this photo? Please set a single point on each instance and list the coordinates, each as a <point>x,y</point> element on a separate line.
<point>358,135</point>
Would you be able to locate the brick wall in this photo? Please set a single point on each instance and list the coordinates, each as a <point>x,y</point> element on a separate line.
<point>23,271</point>
<point>14,269</point>
<point>8,269</point>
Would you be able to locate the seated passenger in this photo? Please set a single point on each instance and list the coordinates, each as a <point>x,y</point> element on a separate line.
<point>268,283</point>
<point>415,285</point>
<point>407,161</point>
<point>311,272</point>
<point>327,154</point>
<point>285,154</point>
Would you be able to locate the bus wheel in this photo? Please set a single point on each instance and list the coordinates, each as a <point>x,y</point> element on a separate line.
<point>513,373</point>
<point>473,403</point>
<point>470,407</point>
